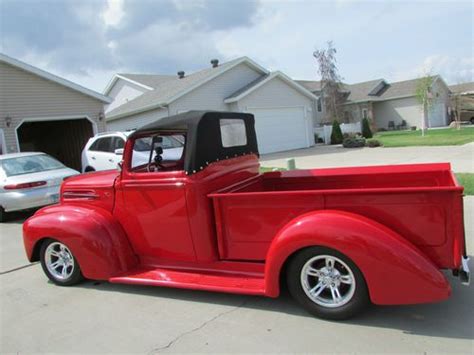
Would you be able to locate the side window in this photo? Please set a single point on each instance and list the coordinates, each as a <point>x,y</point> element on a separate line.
<point>102,145</point>
<point>233,132</point>
<point>172,148</point>
<point>118,143</point>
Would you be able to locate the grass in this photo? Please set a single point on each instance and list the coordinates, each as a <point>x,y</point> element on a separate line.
<point>448,136</point>
<point>266,169</point>
<point>466,180</point>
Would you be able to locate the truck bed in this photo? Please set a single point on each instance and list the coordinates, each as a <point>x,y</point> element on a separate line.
<point>422,202</point>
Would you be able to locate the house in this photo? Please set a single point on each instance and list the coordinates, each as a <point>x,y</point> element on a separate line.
<point>40,111</point>
<point>387,104</point>
<point>283,108</point>
<point>462,99</point>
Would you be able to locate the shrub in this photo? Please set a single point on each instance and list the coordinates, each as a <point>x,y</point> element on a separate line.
<point>336,135</point>
<point>366,131</point>
<point>354,142</point>
<point>373,143</point>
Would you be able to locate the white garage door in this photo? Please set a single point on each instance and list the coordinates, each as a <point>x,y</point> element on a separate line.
<point>280,129</point>
<point>438,115</point>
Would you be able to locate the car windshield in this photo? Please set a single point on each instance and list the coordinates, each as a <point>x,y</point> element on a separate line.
<point>30,164</point>
<point>168,142</point>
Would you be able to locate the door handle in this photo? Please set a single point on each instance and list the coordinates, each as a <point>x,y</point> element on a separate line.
<point>111,160</point>
<point>93,158</point>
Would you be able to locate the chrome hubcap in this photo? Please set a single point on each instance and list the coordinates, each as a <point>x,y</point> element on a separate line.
<point>328,281</point>
<point>59,261</point>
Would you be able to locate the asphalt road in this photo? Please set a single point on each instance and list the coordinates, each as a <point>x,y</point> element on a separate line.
<point>37,316</point>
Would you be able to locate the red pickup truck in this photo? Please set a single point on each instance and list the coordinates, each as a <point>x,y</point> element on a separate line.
<point>210,220</point>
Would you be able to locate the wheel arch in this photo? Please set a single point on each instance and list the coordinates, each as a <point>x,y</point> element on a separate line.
<point>94,237</point>
<point>396,272</point>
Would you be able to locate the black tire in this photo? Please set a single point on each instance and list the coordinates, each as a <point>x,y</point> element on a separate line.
<point>75,276</point>
<point>89,169</point>
<point>472,120</point>
<point>356,295</point>
<point>3,215</point>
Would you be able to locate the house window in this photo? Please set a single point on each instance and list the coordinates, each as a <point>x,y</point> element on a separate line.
<point>365,113</point>
<point>320,106</point>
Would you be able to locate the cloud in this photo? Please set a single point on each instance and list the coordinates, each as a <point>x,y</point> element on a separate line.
<point>452,68</point>
<point>83,38</point>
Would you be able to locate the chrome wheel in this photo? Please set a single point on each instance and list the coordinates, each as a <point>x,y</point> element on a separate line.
<point>59,261</point>
<point>328,281</point>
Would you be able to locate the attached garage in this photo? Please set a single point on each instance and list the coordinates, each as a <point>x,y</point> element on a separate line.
<point>62,139</point>
<point>46,113</point>
<point>280,129</point>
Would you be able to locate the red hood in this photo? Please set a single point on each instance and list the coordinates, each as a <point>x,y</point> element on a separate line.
<point>90,189</point>
<point>101,179</point>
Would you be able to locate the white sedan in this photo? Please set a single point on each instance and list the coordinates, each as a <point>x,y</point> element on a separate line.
<point>29,180</point>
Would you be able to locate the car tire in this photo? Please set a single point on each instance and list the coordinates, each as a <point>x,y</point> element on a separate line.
<point>59,264</point>
<point>472,120</point>
<point>89,169</point>
<point>327,283</point>
<point>3,215</point>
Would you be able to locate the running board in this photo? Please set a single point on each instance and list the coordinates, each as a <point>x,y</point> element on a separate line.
<point>219,282</point>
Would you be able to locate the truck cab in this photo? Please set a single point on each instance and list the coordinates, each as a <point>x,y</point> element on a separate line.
<point>208,219</point>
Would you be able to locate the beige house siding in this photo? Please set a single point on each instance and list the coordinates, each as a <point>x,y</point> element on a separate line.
<point>25,96</point>
<point>137,120</point>
<point>122,92</point>
<point>396,110</point>
<point>211,95</point>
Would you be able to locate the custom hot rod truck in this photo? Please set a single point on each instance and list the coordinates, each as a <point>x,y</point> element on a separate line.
<point>341,238</point>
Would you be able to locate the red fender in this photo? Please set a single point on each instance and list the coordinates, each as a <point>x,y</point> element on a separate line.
<point>396,272</point>
<point>94,236</point>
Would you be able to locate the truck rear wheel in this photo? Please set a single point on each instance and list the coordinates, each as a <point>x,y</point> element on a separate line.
<point>327,283</point>
<point>59,264</point>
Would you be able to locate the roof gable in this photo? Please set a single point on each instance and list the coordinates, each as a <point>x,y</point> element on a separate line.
<point>246,90</point>
<point>168,89</point>
<point>54,78</point>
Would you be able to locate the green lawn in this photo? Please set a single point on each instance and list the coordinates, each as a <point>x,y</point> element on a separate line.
<point>448,136</point>
<point>466,180</point>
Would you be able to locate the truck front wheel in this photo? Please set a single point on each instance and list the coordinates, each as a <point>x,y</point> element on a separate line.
<point>59,264</point>
<point>327,283</point>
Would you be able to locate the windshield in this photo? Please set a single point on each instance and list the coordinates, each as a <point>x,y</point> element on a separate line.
<point>30,164</point>
<point>168,142</point>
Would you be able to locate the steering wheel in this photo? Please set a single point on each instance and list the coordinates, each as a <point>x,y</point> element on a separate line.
<point>157,159</point>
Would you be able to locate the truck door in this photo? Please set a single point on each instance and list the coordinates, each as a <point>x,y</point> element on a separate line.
<point>151,206</point>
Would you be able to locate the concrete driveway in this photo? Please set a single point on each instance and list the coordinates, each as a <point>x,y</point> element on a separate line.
<point>461,157</point>
<point>37,316</point>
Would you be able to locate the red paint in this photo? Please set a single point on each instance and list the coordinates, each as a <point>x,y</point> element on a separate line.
<point>230,229</point>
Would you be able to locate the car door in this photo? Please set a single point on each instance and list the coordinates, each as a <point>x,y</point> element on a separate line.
<point>101,154</point>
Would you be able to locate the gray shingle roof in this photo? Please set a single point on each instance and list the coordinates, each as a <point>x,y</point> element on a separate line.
<point>248,86</point>
<point>359,92</point>
<point>462,88</point>
<point>166,88</point>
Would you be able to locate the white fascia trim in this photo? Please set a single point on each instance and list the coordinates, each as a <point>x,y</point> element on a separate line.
<point>114,79</point>
<point>54,78</point>
<point>273,75</point>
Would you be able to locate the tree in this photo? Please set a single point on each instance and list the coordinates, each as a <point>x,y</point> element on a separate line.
<point>336,134</point>
<point>331,84</point>
<point>425,98</point>
<point>366,131</point>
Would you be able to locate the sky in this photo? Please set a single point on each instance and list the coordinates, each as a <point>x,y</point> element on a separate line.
<point>88,41</point>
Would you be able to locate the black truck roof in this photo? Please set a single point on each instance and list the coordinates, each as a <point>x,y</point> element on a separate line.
<point>210,135</point>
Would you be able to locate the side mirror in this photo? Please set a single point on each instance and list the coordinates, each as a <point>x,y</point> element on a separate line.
<point>119,151</point>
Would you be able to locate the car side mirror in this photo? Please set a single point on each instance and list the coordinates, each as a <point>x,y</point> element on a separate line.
<point>119,151</point>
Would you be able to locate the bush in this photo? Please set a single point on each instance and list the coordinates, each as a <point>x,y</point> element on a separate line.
<point>373,143</point>
<point>366,131</point>
<point>354,142</point>
<point>336,135</point>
